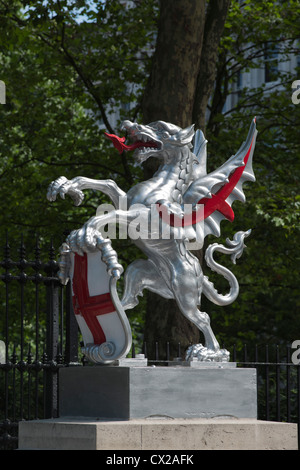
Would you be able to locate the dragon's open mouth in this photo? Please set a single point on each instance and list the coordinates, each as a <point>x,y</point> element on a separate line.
<point>143,142</point>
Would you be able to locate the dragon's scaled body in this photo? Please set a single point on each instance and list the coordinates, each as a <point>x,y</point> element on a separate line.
<point>171,269</point>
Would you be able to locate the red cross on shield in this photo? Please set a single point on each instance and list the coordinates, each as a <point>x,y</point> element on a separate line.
<point>101,319</point>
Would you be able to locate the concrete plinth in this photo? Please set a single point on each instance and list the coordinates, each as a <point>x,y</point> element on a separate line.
<point>157,434</point>
<point>139,392</point>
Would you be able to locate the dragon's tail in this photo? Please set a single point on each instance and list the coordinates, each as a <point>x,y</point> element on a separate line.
<point>235,249</point>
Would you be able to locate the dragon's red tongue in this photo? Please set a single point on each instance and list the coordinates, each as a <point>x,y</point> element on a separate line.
<point>117,141</point>
<point>120,146</point>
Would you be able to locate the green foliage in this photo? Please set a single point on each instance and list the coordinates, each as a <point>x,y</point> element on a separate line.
<point>65,66</point>
<point>267,308</point>
<point>68,64</point>
<point>60,78</point>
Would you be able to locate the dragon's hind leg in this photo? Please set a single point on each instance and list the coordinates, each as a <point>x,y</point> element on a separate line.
<point>186,293</point>
<point>142,274</point>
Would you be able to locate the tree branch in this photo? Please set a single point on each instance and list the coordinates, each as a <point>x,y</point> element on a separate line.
<point>89,86</point>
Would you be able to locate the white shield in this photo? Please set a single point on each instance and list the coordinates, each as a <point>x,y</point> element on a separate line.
<point>101,318</point>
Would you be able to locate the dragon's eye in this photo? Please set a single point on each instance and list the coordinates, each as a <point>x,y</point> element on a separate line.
<point>165,134</point>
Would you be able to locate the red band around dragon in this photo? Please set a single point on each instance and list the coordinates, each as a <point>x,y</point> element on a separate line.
<point>216,203</point>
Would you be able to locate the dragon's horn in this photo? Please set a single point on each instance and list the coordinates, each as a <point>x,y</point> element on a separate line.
<point>185,136</point>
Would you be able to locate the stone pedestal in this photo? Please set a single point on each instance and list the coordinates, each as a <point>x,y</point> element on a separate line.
<point>138,408</point>
<point>125,393</point>
<point>157,435</point>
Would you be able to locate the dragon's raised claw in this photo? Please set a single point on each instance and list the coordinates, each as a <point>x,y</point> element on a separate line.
<point>63,186</point>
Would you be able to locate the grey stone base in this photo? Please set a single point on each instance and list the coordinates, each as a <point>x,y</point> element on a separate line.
<point>157,434</point>
<point>125,393</point>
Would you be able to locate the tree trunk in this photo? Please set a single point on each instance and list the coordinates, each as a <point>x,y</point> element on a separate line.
<point>170,96</point>
<point>214,26</point>
<point>170,92</point>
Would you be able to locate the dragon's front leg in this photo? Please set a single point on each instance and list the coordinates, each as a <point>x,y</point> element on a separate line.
<point>62,186</point>
<point>85,239</point>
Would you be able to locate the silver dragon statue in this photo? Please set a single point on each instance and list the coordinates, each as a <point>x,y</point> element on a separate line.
<point>184,199</point>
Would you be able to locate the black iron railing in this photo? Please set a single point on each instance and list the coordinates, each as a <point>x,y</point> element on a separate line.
<point>40,335</point>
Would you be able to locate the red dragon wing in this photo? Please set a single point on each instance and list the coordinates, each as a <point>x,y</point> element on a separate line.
<point>217,190</point>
